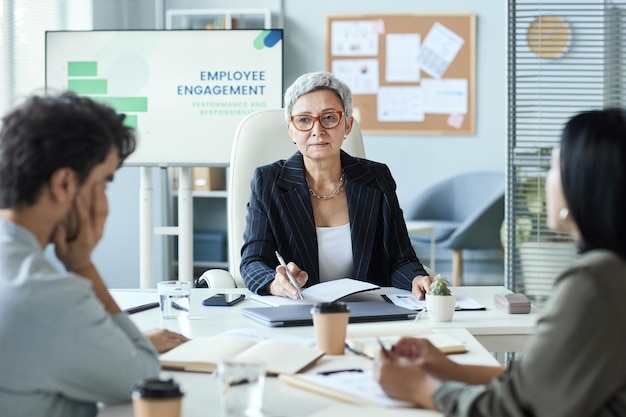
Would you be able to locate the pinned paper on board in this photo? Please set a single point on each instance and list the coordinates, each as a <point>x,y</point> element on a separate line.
<point>402,51</point>
<point>400,104</point>
<point>445,96</point>
<point>439,50</point>
<point>456,120</point>
<point>355,38</point>
<point>361,75</point>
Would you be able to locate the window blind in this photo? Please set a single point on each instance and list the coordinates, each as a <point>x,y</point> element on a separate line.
<point>23,24</point>
<point>564,57</point>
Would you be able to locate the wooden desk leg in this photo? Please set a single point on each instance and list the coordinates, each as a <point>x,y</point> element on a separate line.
<point>457,267</point>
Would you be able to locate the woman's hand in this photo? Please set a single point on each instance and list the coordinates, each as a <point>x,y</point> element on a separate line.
<point>436,364</point>
<point>281,284</point>
<point>405,379</point>
<point>428,357</point>
<point>421,285</point>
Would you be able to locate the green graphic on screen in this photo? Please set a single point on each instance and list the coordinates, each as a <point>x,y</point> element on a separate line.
<point>82,78</point>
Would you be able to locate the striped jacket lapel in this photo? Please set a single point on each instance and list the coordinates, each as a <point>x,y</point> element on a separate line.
<point>296,202</point>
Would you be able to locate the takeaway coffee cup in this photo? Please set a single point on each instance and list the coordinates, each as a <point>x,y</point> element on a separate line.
<point>330,321</point>
<point>157,398</point>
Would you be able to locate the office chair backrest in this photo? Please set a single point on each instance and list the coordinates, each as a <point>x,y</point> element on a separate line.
<point>260,139</point>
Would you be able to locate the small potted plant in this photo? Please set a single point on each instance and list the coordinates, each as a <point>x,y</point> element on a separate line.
<point>440,302</point>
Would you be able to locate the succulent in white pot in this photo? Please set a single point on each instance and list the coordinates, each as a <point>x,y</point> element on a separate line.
<point>440,302</point>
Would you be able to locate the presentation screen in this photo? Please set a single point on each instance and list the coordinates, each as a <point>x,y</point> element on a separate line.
<point>185,91</point>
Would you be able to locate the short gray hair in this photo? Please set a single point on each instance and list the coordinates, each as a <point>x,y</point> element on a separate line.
<point>313,81</point>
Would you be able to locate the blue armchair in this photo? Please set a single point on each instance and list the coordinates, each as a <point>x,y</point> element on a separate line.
<point>467,211</point>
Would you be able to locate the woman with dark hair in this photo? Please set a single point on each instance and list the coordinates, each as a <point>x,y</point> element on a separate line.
<point>573,365</point>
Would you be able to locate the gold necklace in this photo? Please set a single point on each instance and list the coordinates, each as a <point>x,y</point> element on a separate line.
<point>331,195</point>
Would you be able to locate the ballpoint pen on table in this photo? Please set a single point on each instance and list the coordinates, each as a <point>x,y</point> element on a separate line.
<point>289,275</point>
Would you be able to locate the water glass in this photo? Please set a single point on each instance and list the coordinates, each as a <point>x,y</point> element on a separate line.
<point>174,298</point>
<point>241,388</point>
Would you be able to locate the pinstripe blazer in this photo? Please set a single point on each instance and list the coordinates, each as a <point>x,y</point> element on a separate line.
<point>280,217</point>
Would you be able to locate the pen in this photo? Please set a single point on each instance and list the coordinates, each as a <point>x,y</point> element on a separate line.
<point>289,275</point>
<point>142,307</point>
<point>383,348</point>
<point>339,371</point>
<point>177,306</point>
<point>356,351</point>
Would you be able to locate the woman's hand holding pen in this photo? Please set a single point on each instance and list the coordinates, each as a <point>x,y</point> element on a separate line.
<point>404,377</point>
<point>427,356</point>
<point>282,286</point>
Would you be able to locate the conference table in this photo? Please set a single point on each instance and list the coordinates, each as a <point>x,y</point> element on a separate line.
<point>483,333</point>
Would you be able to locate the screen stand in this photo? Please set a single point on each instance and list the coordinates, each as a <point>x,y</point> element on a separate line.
<point>147,231</point>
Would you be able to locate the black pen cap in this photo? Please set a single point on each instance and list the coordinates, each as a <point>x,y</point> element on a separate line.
<point>334,307</point>
<point>156,388</point>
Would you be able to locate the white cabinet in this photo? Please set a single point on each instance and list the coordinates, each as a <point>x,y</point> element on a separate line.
<point>209,218</point>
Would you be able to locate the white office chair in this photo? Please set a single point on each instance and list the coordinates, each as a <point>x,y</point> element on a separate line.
<point>260,139</point>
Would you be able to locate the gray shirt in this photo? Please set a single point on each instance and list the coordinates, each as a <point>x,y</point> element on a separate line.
<point>60,351</point>
<point>574,365</point>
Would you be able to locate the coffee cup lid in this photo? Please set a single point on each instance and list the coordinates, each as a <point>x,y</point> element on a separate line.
<point>334,307</point>
<point>157,388</point>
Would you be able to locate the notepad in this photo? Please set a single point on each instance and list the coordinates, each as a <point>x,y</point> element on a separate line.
<point>352,387</point>
<point>323,292</point>
<point>280,353</point>
<point>369,346</point>
<point>134,301</point>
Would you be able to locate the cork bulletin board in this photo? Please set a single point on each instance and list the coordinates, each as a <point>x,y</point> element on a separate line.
<point>409,74</point>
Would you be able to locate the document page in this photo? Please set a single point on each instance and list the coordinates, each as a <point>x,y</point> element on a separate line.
<point>463,302</point>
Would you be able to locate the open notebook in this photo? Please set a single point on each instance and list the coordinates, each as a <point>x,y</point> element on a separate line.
<point>324,291</point>
<point>280,353</point>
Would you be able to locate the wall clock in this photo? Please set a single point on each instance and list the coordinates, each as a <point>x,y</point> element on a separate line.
<point>549,36</point>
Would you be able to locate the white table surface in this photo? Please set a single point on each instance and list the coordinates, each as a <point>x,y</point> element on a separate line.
<point>495,329</point>
<point>201,390</point>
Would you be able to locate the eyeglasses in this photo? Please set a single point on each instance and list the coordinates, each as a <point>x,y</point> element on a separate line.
<point>305,122</point>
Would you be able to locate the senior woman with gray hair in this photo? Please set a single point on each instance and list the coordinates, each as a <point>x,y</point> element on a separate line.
<point>330,215</point>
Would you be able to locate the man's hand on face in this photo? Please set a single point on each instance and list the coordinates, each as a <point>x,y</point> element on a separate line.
<point>76,237</point>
